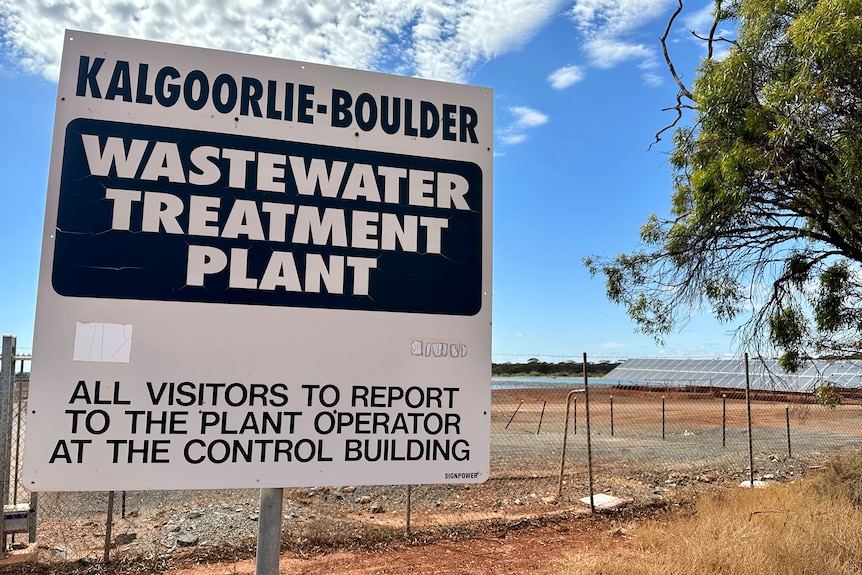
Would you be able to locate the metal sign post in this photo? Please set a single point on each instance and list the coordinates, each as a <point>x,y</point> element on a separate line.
<point>269,531</point>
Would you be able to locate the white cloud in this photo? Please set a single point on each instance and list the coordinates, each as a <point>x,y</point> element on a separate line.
<point>454,35</point>
<point>652,79</point>
<point>610,32</point>
<point>608,52</point>
<point>523,119</point>
<point>527,117</point>
<point>615,17</point>
<point>565,77</point>
<point>510,139</point>
<point>441,39</point>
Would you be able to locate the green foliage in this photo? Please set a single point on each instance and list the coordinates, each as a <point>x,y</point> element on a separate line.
<point>766,211</point>
<point>827,395</point>
<point>786,327</point>
<point>791,360</point>
<point>830,312</point>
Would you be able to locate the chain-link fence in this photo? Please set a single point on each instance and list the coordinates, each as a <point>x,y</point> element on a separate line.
<point>647,446</point>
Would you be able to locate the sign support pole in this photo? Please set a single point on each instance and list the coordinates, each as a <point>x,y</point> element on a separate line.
<point>269,531</point>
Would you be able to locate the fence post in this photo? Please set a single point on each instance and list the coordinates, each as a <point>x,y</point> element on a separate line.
<point>109,528</point>
<point>612,416</point>
<point>409,506</point>
<point>7,372</point>
<point>589,439</point>
<point>662,417</point>
<point>748,410</point>
<point>514,414</point>
<point>541,417</point>
<point>787,418</point>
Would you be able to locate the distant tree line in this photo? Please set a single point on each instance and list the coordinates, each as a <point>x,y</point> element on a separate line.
<point>534,367</point>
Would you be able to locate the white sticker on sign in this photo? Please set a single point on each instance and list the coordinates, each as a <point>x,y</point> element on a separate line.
<point>103,342</point>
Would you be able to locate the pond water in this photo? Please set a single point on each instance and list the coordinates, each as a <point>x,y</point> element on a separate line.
<point>545,382</point>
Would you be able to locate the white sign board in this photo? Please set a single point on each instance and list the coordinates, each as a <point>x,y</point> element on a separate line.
<point>260,273</point>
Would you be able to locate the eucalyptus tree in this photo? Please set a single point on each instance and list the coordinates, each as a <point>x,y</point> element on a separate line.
<point>765,229</point>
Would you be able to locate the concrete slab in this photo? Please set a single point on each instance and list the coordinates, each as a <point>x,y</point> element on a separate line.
<point>602,501</point>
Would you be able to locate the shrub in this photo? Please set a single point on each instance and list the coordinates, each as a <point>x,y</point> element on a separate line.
<point>827,395</point>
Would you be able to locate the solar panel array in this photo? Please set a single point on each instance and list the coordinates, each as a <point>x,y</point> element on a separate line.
<point>730,373</point>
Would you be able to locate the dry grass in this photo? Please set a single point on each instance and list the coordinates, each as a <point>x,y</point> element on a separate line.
<point>811,526</point>
<point>843,479</point>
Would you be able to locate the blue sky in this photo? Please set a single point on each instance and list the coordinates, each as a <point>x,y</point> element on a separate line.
<point>579,90</point>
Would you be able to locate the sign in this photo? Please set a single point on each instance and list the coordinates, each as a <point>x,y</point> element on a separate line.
<point>260,273</point>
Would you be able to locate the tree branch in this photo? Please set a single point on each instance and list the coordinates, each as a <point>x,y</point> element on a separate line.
<point>684,92</point>
<point>710,39</point>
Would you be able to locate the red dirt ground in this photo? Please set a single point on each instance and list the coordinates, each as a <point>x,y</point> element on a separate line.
<point>533,550</point>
